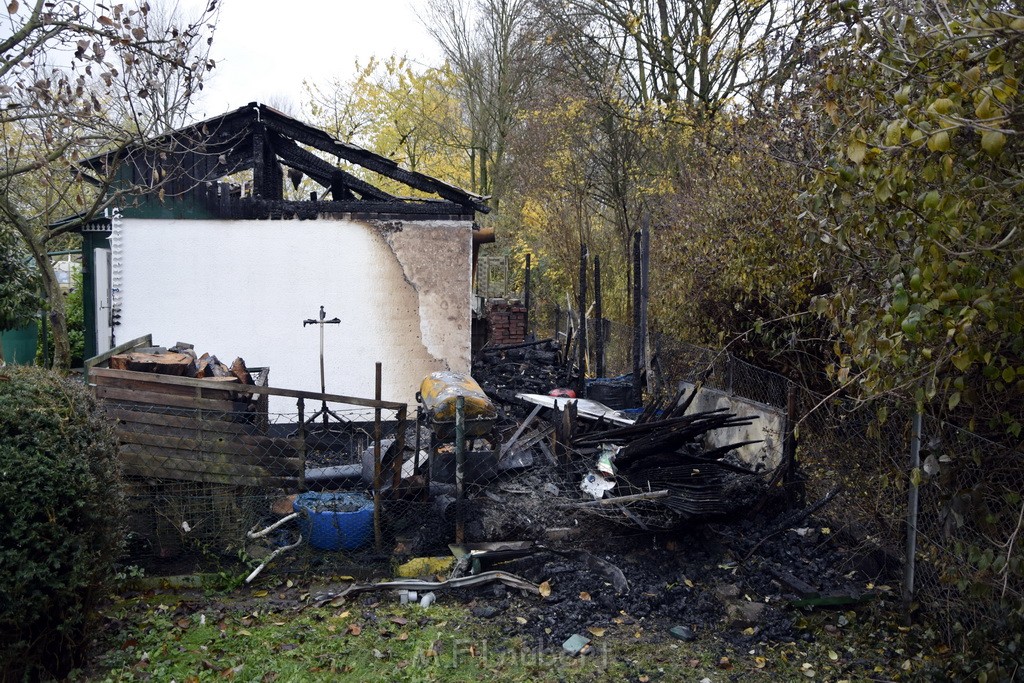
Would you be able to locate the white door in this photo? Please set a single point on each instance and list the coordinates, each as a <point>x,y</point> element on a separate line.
<point>104,327</point>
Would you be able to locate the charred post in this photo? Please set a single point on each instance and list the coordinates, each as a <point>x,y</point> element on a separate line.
<point>599,317</point>
<point>581,335</point>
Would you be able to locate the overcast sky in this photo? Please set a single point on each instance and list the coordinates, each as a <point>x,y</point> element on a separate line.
<point>264,49</point>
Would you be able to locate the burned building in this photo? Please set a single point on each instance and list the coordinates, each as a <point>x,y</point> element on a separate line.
<point>208,238</point>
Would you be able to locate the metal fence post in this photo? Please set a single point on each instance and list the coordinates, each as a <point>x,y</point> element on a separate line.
<point>376,462</point>
<point>912,503</point>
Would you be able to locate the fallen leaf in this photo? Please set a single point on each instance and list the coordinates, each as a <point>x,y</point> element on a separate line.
<point>545,589</point>
<point>521,620</point>
<point>354,629</point>
<point>183,622</point>
<point>833,655</point>
<point>260,594</point>
<point>243,632</point>
<point>344,615</point>
<point>403,636</point>
<point>585,596</point>
<point>596,630</point>
<point>759,662</point>
<point>337,602</point>
<point>289,583</point>
<point>689,584</point>
<point>401,621</point>
<point>724,663</point>
<point>644,679</point>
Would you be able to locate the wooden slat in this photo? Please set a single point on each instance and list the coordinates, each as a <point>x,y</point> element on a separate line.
<point>90,364</point>
<point>186,422</point>
<point>146,468</point>
<point>206,461</point>
<point>215,390</point>
<point>256,448</point>
<point>271,391</point>
<point>130,396</point>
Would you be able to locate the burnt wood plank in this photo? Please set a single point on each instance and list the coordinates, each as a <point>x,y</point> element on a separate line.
<point>376,163</point>
<point>249,447</point>
<point>399,208</point>
<point>322,171</point>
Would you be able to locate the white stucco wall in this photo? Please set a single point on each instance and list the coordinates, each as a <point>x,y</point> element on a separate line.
<point>243,288</point>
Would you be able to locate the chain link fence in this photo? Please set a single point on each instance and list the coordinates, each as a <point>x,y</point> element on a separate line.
<point>968,557</point>
<point>208,465</point>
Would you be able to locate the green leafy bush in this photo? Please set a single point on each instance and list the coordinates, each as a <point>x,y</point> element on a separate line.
<point>61,508</point>
<point>19,298</point>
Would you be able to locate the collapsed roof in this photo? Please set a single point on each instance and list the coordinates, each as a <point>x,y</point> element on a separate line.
<point>186,167</point>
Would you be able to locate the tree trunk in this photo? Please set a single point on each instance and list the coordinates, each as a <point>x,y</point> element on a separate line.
<point>58,319</point>
<point>54,296</point>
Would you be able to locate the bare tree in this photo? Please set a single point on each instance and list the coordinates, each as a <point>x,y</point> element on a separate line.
<point>495,49</point>
<point>705,54</point>
<point>78,78</point>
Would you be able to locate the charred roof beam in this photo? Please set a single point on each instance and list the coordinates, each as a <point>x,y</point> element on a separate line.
<point>323,172</point>
<point>357,155</point>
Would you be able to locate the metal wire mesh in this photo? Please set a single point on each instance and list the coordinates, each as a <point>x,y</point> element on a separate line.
<point>198,479</point>
<point>969,562</point>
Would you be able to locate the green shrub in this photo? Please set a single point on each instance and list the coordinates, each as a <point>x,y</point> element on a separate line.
<point>61,508</point>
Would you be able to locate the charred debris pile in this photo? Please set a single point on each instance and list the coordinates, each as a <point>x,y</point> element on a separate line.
<point>531,367</point>
<point>653,468</point>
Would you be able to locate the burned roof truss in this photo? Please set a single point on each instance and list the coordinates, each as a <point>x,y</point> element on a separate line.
<point>188,168</point>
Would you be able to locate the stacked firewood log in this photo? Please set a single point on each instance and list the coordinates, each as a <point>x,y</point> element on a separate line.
<point>181,361</point>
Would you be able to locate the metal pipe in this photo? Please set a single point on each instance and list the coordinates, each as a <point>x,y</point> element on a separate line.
<point>460,464</point>
<point>416,454</point>
<point>912,503</point>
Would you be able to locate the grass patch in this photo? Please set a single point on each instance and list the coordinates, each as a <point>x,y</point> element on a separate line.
<point>248,635</point>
